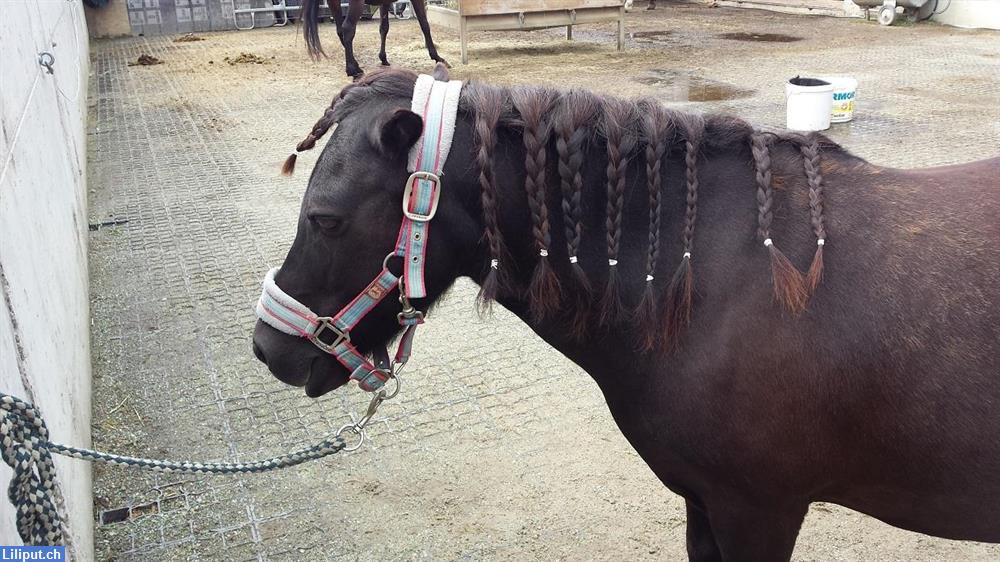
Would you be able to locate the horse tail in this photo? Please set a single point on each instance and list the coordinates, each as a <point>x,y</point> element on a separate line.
<point>310,27</point>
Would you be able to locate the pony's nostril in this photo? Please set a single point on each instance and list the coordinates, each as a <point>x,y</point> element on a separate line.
<point>257,351</point>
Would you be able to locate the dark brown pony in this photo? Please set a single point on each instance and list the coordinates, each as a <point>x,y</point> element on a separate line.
<point>346,28</point>
<point>750,388</point>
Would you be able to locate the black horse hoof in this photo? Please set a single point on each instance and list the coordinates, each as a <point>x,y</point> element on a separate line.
<point>385,63</point>
<point>442,61</point>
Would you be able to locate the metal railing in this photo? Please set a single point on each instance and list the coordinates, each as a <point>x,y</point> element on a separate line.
<point>401,10</point>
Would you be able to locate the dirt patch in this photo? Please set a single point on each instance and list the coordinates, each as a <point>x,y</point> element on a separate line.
<point>968,79</point>
<point>654,35</point>
<point>682,86</point>
<point>145,60</point>
<point>246,58</point>
<point>760,37</point>
<point>188,38</point>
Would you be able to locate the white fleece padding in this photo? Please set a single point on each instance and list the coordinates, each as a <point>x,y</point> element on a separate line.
<point>293,320</point>
<point>421,93</point>
<point>450,119</point>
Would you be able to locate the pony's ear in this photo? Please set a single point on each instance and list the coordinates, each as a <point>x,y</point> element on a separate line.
<point>440,72</point>
<point>397,131</point>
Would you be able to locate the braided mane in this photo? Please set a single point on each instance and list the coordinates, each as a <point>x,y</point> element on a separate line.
<point>571,123</point>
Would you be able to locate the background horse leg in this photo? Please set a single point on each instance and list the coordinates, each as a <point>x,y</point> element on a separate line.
<point>753,533</point>
<point>338,18</point>
<point>701,544</point>
<point>349,27</point>
<point>420,10</point>
<point>383,30</point>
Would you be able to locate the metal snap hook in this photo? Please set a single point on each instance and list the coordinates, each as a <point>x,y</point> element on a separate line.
<point>372,408</point>
<point>360,432</point>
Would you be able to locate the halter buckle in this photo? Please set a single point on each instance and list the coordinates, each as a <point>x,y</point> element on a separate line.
<point>326,323</point>
<point>435,196</point>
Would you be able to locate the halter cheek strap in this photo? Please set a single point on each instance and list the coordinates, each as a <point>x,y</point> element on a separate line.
<point>437,103</point>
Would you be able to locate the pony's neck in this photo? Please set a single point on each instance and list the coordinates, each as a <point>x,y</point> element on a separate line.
<point>723,237</point>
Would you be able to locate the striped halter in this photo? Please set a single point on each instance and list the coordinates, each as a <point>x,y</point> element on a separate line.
<point>437,103</point>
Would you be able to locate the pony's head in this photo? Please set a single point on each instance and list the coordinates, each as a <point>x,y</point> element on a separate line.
<point>348,225</point>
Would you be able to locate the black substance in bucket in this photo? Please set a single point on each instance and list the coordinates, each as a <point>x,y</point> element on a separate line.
<point>799,81</point>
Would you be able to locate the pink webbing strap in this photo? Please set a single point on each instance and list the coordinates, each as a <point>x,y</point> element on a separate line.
<point>437,104</point>
<point>350,315</point>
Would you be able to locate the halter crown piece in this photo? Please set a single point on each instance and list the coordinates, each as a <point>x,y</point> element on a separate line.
<point>437,103</point>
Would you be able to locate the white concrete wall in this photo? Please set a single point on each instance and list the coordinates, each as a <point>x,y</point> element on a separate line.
<point>969,13</point>
<point>44,310</point>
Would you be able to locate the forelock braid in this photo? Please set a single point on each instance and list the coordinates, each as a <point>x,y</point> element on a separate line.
<point>789,286</point>
<point>488,104</point>
<point>533,105</point>
<point>321,127</point>
<point>383,81</point>
<point>810,156</point>
<point>618,118</point>
<point>680,293</point>
<point>655,125</point>
<point>576,112</point>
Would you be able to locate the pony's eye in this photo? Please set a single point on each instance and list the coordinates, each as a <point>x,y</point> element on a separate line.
<point>327,222</point>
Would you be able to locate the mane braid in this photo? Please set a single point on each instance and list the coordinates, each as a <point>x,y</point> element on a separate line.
<point>789,286</point>
<point>488,104</point>
<point>810,156</point>
<point>655,128</point>
<point>534,104</point>
<point>680,292</point>
<point>577,109</point>
<point>617,115</point>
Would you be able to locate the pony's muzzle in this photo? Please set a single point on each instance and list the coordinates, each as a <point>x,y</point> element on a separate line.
<point>259,353</point>
<point>296,362</point>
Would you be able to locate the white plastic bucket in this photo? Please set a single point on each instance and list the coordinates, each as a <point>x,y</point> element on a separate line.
<point>845,89</point>
<point>809,103</point>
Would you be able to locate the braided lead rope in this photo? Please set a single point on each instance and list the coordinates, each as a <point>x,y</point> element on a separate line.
<point>25,447</point>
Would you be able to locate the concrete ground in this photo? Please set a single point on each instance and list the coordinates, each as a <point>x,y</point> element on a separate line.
<point>478,458</point>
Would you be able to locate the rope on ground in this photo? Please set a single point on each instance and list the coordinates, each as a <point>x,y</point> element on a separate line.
<point>25,446</point>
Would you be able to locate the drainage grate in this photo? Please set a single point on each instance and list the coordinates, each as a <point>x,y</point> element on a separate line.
<point>109,516</point>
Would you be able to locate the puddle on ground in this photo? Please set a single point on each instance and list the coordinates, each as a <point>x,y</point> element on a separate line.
<point>762,37</point>
<point>654,35</point>
<point>676,85</point>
